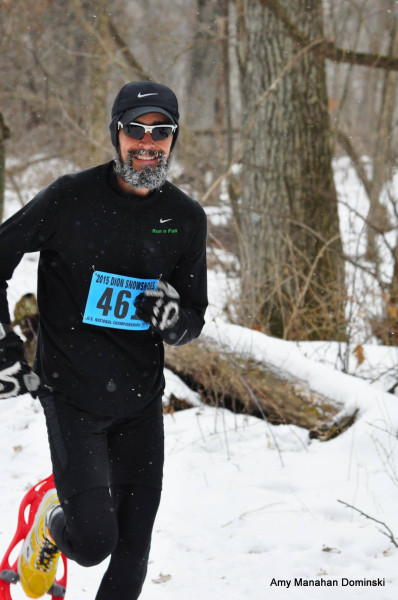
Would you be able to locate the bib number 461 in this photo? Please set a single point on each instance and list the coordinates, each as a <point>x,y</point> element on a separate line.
<point>121,305</point>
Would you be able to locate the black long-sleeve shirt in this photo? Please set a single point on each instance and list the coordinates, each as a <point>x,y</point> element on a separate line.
<point>89,233</point>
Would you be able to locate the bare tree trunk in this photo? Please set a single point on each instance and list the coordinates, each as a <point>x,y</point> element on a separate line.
<point>224,38</point>
<point>382,164</point>
<point>205,88</point>
<point>99,74</point>
<point>4,135</point>
<point>94,18</point>
<point>203,77</point>
<point>287,219</point>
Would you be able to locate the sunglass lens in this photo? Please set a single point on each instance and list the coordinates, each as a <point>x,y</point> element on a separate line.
<point>161,133</point>
<point>134,131</point>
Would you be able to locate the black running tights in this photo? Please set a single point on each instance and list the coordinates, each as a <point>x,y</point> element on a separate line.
<point>97,523</point>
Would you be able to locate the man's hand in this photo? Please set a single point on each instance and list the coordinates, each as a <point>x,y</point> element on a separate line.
<point>16,377</point>
<point>160,308</point>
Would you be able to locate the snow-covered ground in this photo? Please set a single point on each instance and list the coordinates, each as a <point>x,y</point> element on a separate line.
<point>250,511</point>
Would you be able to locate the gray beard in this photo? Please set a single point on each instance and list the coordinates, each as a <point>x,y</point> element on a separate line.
<point>148,177</point>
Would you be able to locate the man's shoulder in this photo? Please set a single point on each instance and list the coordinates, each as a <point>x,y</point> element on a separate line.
<point>176,195</point>
<point>82,177</point>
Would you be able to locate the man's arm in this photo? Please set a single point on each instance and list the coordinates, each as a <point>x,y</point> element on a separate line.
<point>26,231</point>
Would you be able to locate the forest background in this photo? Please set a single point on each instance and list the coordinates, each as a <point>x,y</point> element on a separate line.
<point>272,93</point>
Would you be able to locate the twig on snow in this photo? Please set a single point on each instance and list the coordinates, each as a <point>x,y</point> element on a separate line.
<point>390,534</point>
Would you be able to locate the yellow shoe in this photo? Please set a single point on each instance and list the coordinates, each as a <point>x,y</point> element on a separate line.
<point>37,563</point>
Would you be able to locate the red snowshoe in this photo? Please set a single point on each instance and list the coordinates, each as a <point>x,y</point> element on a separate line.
<point>27,510</point>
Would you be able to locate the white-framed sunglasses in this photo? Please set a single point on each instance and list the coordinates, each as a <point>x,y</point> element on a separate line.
<point>138,130</point>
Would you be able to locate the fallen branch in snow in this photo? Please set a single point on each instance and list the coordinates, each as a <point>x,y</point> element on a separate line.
<point>249,512</point>
<point>389,533</point>
<point>224,378</point>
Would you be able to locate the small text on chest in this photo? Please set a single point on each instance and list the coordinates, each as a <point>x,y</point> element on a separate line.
<point>169,230</point>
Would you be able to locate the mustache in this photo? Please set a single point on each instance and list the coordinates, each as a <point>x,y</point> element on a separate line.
<point>152,153</point>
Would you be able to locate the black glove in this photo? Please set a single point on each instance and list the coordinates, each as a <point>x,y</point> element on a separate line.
<point>16,377</point>
<point>160,308</point>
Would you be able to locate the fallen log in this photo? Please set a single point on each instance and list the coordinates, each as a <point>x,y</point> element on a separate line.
<point>246,386</point>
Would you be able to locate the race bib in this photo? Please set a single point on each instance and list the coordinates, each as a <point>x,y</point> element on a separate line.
<point>110,301</point>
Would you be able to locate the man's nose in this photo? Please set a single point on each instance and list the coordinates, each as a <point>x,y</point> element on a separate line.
<point>147,140</point>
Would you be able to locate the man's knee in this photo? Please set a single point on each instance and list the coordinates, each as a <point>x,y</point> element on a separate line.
<point>86,529</point>
<point>92,551</point>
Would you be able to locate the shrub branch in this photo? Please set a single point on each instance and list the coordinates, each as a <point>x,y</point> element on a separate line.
<point>387,533</point>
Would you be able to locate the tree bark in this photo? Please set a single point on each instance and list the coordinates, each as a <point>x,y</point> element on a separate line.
<point>293,283</point>
<point>224,52</point>
<point>381,160</point>
<point>203,83</point>
<point>93,16</point>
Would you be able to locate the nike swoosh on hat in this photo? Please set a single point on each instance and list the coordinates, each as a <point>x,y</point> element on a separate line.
<point>143,95</point>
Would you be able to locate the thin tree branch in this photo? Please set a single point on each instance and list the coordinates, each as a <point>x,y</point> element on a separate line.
<point>327,48</point>
<point>126,52</point>
<point>308,279</point>
<point>346,144</point>
<point>20,167</point>
<point>16,187</point>
<point>257,403</point>
<point>390,534</point>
